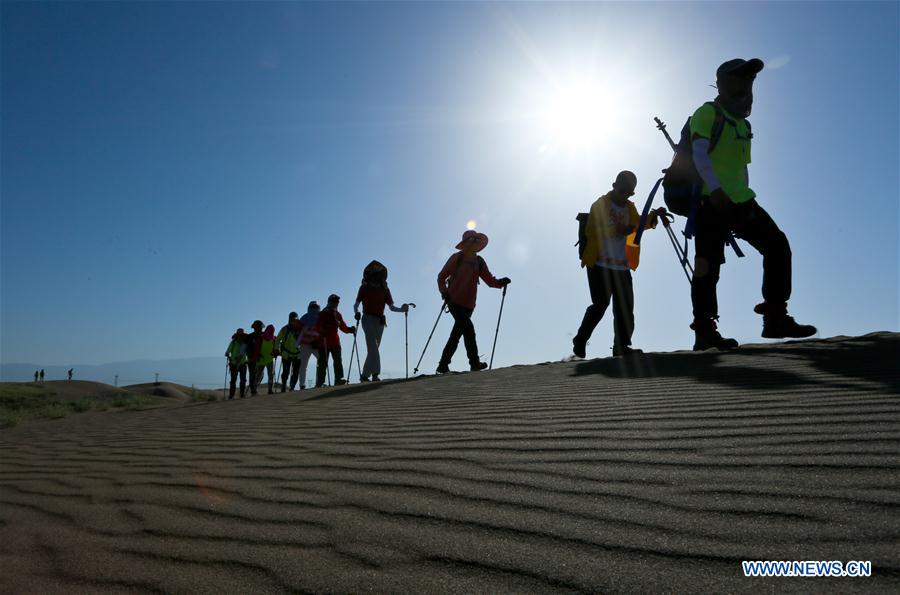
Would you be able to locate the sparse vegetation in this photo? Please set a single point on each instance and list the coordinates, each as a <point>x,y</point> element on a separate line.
<point>131,402</point>
<point>20,402</point>
<point>197,396</point>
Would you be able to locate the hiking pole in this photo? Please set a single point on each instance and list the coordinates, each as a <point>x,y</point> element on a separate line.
<point>352,351</point>
<point>406,335</point>
<point>497,330</point>
<point>443,305</point>
<point>681,254</point>
<point>278,375</point>
<point>660,125</point>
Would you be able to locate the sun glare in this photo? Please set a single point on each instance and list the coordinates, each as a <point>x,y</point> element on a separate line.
<point>580,114</point>
<point>471,224</point>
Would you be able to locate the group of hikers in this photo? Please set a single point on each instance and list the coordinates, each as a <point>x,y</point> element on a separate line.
<point>316,333</point>
<point>39,375</point>
<point>708,182</point>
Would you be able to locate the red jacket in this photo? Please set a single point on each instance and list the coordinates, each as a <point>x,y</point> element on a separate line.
<point>327,325</point>
<point>459,279</point>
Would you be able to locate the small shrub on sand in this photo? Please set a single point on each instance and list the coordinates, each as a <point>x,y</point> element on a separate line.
<point>53,410</point>
<point>131,402</point>
<point>9,419</point>
<point>82,405</point>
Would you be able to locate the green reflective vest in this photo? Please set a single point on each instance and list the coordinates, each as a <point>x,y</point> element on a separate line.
<point>731,154</point>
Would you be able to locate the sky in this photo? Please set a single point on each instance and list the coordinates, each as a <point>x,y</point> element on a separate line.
<point>172,171</point>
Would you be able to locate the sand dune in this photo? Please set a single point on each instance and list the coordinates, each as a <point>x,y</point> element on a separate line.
<point>654,474</point>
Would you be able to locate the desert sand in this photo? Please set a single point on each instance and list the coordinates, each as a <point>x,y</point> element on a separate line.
<point>653,474</point>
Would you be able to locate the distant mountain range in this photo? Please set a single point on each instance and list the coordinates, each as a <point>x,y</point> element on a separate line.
<point>202,372</point>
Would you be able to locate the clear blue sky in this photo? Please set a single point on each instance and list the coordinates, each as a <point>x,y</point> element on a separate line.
<point>171,171</point>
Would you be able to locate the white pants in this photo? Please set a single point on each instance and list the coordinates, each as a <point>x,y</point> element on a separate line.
<point>374,329</point>
<point>305,352</point>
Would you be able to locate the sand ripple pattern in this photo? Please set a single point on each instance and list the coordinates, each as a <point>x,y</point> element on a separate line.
<point>657,474</point>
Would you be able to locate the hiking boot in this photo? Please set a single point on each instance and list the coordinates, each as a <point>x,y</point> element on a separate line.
<point>443,368</point>
<point>340,382</point>
<point>579,348</point>
<point>478,366</point>
<point>375,378</point>
<point>364,379</point>
<point>706,336</point>
<point>622,350</point>
<point>778,325</point>
<point>785,327</point>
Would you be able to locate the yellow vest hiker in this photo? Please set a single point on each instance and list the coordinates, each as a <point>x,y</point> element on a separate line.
<point>731,155</point>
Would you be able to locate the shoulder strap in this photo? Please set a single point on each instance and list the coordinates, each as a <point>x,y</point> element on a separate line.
<point>718,126</point>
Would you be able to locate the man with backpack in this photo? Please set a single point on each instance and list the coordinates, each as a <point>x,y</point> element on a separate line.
<point>458,284</point>
<point>288,346</point>
<point>611,220</point>
<point>309,339</point>
<point>720,143</point>
<point>237,361</point>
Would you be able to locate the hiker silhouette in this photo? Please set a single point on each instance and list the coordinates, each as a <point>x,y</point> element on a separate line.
<point>374,296</point>
<point>729,204</point>
<point>458,285</point>
<point>611,221</point>
<point>70,373</point>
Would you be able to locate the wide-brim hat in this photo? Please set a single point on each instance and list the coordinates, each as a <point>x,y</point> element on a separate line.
<point>471,236</point>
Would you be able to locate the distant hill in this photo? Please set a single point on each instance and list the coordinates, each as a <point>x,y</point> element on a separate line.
<point>202,372</point>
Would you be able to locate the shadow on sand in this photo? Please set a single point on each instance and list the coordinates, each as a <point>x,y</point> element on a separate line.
<point>870,359</point>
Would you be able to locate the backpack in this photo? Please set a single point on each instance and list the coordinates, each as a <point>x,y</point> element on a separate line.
<point>375,273</point>
<point>682,185</point>
<point>582,219</point>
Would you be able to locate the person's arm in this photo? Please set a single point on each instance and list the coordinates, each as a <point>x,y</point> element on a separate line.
<point>359,297</point>
<point>341,324</point>
<point>488,278</point>
<point>700,152</point>
<point>445,274</point>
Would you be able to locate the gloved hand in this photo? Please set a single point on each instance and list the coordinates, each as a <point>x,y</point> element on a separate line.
<point>404,308</point>
<point>505,281</point>
<point>353,330</point>
<point>445,296</point>
<point>357,316</point>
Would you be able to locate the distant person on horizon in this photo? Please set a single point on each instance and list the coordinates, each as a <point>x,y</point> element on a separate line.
<point>374,295</point>
<point>328,323</point>
<point>729,203</point>
<point>71,370</point>
<point>309,339</point>
<point>237,361</point>
<point>42,375</point>
<point>611,220</point>
<point>36,374</point>
<point>458,286</point>
<point>287,345</point>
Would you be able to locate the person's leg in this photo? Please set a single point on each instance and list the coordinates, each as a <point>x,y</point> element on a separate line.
<point>285,372</point>
<point>295,370</point>
<point>709,254</point>
<point>623,308</point>
<point>233,371</point>
<point>243,374</point>
<point>255,376</point>
<point>754,225</point>
<point>379,332</point>
<point>305,353</point>
<point>468,330</point>
<point>455,334</point>
<point>270,370</point>
<point>338,364</point>
<point>370,324</point>
<point>321,363</point>
<point>711,230</point>
<point>600,294</point>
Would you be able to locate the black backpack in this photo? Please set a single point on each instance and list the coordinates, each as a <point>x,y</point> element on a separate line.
<point>682,185</point>
<point>582,219</point>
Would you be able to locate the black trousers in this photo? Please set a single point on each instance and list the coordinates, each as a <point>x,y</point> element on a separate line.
<point>290,366</point>
<point>749,222</point>
<point>322,364</point>
<point>236,370</point>
<point>608,285</point>
<point>462,327</point>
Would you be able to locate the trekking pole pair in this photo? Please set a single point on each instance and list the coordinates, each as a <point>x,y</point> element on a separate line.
<point>441,313</point>
<point>356,351</point>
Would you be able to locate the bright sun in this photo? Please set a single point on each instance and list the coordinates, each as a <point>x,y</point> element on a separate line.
<point>580,114</point>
